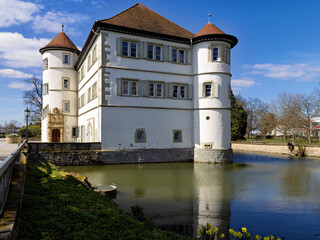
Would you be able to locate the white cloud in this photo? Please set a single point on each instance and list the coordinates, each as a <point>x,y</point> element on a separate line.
<point>300,72</point>
<point>20,85</point>
<point>15,12</point>
<point>16,51</point>
<point>11,73</point>
<point>52,21</point>
<point>244,82</point>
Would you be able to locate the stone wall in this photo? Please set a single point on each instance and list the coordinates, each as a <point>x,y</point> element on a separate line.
<point>213,156</point>
<point>277,149</point>
<point>73,154</point>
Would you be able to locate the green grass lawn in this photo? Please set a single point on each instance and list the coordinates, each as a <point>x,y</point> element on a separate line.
<point>57,206</point>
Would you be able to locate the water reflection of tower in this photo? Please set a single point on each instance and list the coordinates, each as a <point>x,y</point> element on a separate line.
<point>140,186</point>
<point>212,197</point>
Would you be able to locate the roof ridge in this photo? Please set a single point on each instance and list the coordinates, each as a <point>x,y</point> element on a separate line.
<point>122,12</point>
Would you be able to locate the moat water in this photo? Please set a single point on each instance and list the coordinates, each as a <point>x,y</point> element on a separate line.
<point>268,194</point>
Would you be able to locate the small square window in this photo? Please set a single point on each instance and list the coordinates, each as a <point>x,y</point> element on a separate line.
<point>140,135</point>
<point>207,118</point>
<point>177,136</point>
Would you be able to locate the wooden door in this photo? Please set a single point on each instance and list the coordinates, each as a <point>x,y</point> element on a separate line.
<point>55,135</point>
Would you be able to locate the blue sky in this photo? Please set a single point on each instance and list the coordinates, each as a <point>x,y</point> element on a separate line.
<point>278,47</point>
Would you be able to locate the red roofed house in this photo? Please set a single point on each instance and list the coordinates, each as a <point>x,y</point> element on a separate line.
<point>143,85</point>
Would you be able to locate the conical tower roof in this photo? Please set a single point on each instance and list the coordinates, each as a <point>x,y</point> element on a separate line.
<point>209,29</point>
<point>61,42</point>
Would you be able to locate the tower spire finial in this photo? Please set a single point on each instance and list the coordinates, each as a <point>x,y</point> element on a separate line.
<point>209,18</point>
<point>62,27</point>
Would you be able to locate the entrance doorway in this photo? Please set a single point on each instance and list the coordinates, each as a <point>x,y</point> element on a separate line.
<point>55,135</point>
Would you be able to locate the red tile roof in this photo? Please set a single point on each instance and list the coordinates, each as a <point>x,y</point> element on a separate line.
<point>209,29</point>
<point>61,41</point>
<point>142,18</point>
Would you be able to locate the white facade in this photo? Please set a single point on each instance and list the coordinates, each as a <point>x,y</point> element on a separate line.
<point>125,100</point>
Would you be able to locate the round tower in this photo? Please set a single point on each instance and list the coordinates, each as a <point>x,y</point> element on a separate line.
<point>212,108</point>
<point>60,90</point>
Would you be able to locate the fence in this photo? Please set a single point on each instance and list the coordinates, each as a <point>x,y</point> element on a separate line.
<point>6,167</point>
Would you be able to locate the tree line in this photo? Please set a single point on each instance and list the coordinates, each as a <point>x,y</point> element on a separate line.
<point>290,114</point>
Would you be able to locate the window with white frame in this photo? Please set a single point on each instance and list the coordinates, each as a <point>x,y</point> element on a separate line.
<point>45,112</point>
<point>155,89</point>
<point>227,56</point>
<point>45,65</point>
<point>179,91</point>
<point>66,58</point>
<point>207,89</point>
<point>66,106</point>
<point>45,89</point>
<point>178,55</point>
<point>129,87</point>
<point>66,83</point>
<point>129,48</point>
<point>177,135</point>
<point>140,135</point>
<point>154,52</point>
<point>215,53</point>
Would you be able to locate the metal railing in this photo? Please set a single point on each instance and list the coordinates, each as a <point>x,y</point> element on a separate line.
<point>6,167</point>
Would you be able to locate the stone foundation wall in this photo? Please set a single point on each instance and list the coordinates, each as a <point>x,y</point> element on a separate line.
<point>213,156</point>
<point>74,154</point>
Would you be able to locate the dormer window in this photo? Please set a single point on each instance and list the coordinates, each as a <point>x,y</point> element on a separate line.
<point>215,54</point>
<point>66,58</point>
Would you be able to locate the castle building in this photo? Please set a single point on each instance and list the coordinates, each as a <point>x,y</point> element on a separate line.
<point>143,84</point>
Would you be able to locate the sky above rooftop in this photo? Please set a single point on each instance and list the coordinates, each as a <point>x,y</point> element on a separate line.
<point>278,46</point>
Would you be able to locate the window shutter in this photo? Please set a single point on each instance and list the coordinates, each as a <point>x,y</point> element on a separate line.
<point>141,49</point>
<point>119,46</point>
<point>168,90</point>
<point>200,91</point>
<point>145,50</point>
<point>189,91</point>
<point>143,88</point>
<point>215,90</point>
<point>223,51</point>
<point>165,53</point>
<point>188,56</point>
<point>119,86</point>
<point>229,91</point>
<point>210,54</point>
<point>169,53</point>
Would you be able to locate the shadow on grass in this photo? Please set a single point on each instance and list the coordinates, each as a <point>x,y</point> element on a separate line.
<point>57,206</point>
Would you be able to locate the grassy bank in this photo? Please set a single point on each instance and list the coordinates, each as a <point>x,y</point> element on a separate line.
<point>56,206</point>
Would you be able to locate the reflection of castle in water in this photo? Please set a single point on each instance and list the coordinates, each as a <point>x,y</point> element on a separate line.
<point>183,202</point>
<point>212,197</point>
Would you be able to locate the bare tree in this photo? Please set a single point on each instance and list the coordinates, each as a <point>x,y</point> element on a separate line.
<point>255,108</point>
<point>33,98</point>
<point>267,123</point>
<point>11,126</point>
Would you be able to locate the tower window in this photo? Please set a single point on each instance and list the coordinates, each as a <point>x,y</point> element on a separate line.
<point>179,91</point>
<point>215,54</point>
<point>45,89</point>
<point>129,88</point>
<point>181,56</point>
<point>75,132</point>
<point>66,106</point>
<point>155,89</point>
<point>45,64</point>
<point>66,58</point>
<point>207,88</point>
<point>65,83</point>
